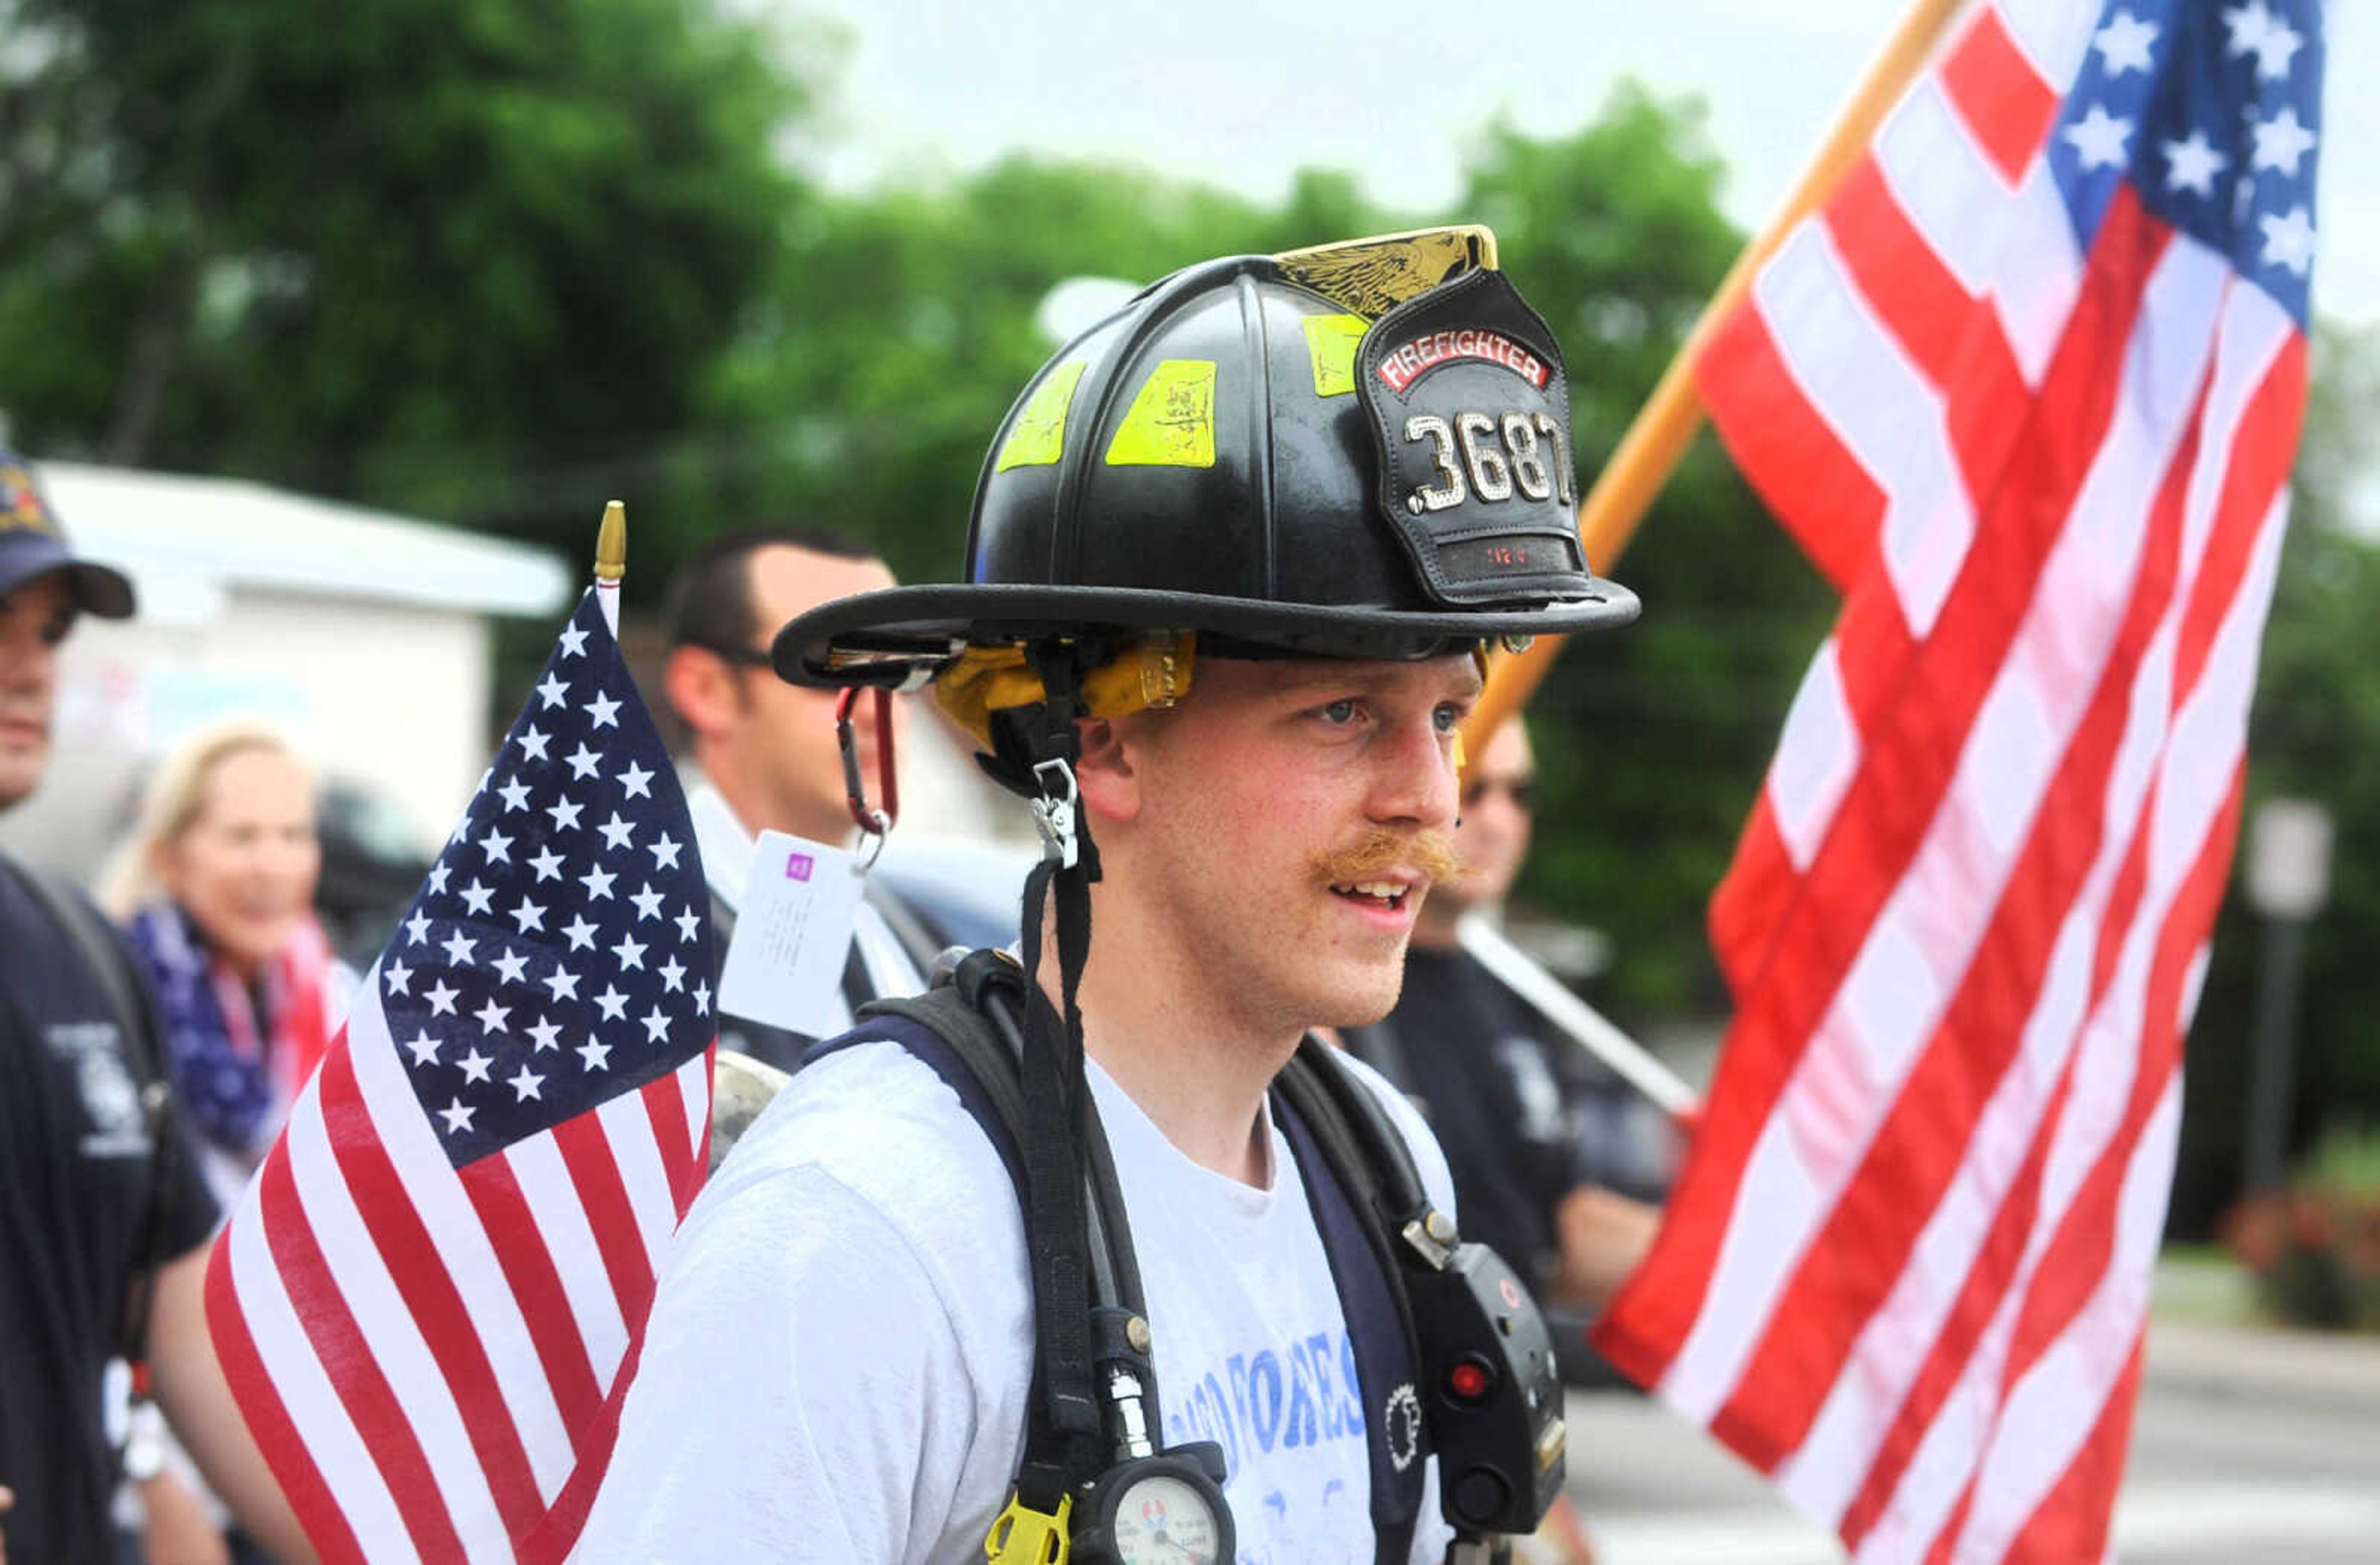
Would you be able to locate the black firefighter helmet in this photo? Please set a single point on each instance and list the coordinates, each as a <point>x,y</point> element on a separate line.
<point>1361,450</point>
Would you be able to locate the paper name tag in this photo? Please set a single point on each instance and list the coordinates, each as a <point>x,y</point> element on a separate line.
<point>792,936</point>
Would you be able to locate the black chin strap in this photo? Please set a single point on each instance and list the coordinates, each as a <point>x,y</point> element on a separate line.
<point>1062,1442</point>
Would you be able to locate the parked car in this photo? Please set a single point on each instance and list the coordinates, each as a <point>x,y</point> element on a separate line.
<point>372,863</point>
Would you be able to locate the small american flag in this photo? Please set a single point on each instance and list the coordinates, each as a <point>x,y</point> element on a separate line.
<point>2028,390</point>
<point>430,1299</point>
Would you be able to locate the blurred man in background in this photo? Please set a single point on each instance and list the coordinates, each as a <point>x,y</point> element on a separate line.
<point>104,1218</point>
<point>765,750</point>
<point>1555,1158</point>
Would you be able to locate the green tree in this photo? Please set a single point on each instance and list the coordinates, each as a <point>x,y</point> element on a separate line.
<point>466,256</point>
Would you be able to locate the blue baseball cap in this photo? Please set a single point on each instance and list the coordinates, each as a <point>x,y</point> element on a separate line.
<point>31,545</point>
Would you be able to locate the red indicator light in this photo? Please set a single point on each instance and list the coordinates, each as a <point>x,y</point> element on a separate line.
<point>1469,1382</point>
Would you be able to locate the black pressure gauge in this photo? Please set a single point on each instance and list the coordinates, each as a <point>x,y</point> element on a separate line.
<point>1161,1510</point>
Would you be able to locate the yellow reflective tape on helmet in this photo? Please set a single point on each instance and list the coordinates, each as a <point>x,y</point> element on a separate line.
<point>1171,422</point>
<point>1039,435</point>
<point>1332,341</point>
<point>1155,672</point>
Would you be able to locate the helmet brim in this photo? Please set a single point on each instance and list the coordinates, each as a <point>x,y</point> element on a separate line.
<point>894,636</point>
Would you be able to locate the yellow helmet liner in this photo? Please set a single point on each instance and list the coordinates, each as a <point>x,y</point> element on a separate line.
<point>1152,671</point>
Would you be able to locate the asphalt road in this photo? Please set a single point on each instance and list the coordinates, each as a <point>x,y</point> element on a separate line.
<point>2218,1474</point>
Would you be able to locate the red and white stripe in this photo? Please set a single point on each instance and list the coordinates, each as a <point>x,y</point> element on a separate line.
<point>431,1357</point>
<point>1905,1271</point>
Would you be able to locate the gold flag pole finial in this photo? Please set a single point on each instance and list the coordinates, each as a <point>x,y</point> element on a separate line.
<point>611,543</point>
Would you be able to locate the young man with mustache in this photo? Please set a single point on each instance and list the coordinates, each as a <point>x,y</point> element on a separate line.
<point>1224,618</point>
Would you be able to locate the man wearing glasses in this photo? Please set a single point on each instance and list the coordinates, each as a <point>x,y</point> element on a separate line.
<point>1555,1160</point>
<point>765,750</point>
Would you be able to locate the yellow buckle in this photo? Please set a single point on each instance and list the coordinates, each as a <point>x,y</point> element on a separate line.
<point>1022,1536</point>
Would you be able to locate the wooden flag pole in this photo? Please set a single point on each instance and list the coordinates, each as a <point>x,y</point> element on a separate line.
<point>1665,425</point>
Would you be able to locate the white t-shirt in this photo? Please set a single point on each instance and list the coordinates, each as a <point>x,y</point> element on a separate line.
<point>840,1354</point>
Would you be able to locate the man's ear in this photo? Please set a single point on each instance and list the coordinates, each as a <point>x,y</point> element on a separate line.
<point>700,689</point>
<point>1105,771</point>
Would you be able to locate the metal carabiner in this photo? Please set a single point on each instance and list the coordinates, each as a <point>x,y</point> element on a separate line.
<point>1053,813</point>
<point>872,822</point>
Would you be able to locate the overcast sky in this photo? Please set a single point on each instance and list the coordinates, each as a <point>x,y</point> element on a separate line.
<point>1241,93</point>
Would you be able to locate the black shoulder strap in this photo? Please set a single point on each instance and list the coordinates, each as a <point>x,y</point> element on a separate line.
<point>957,1041</point>
<point>1375,1147</point>
<point>105,958</point>
<point>1362,1186</point>
<point>978,1044</point>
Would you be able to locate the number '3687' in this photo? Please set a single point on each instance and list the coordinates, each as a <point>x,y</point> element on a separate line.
<point>1481,453</point>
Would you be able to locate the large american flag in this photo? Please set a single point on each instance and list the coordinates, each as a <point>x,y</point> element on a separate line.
<point>2027,390</point>
<point>430,1299</point>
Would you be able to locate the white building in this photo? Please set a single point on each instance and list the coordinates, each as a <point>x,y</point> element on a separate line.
<point>367,636</point>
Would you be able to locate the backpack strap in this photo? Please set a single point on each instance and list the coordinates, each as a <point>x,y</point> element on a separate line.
<point>976,1041</point>
<point>965,1047</point>
<point>958,1043</point>
<point>1353,1203</point>
<point>1501,1444</point>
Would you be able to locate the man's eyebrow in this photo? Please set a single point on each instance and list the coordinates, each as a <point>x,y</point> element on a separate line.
<point>1370,675</point>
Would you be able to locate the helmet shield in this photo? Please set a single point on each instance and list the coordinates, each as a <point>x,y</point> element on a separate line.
<point>1470,420</point>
